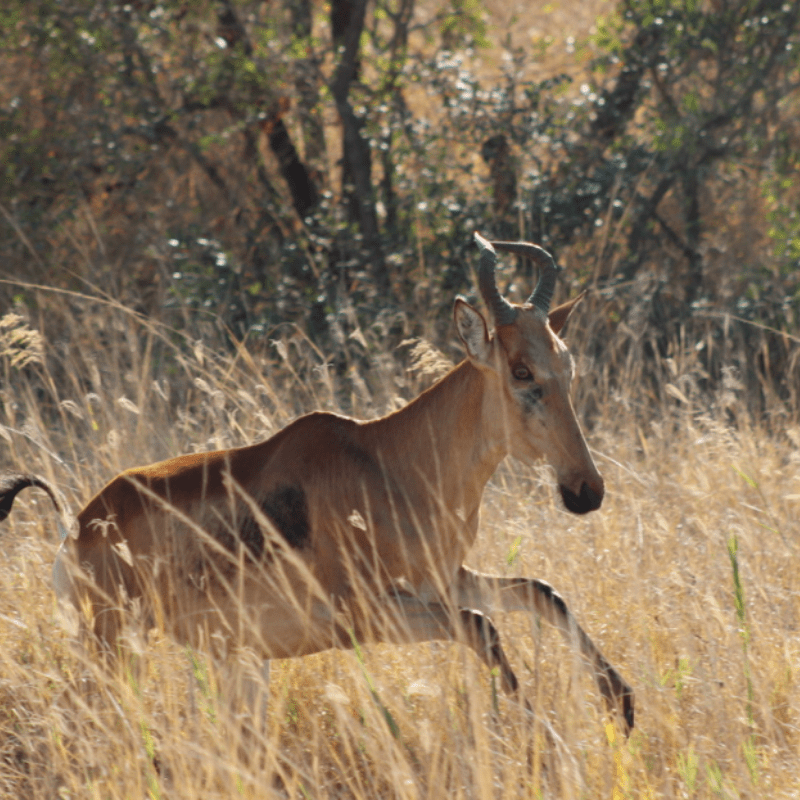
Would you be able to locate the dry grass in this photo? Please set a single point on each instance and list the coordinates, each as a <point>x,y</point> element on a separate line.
<point>650,576</point>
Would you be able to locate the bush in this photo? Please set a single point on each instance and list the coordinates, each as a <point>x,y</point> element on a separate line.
<point>233,160</point>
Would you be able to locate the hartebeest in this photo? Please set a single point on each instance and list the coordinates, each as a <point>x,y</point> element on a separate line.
<point>336,530</point>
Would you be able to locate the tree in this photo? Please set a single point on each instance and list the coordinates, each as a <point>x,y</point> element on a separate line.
<point>266,162</point>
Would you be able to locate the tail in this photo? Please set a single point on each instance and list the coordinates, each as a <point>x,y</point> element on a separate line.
<point>11,484</point>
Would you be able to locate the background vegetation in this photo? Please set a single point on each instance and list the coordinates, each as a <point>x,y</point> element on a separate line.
<point>228,167</point>
<point>216,216</point>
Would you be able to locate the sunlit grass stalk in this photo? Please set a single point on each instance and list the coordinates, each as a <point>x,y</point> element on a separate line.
<point>639,573</point>
<point>744,631</point>
<point>387,715</point>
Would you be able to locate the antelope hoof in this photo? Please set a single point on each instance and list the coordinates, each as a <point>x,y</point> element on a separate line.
<point>627,709</point>
<point>618,696</point>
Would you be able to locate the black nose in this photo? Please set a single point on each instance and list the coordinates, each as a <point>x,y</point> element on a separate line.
<point>588,500</point>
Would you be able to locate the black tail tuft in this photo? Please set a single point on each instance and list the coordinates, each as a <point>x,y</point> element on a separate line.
<point>11,484</point>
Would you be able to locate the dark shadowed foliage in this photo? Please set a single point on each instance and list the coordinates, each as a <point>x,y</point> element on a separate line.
<point>230,167</point>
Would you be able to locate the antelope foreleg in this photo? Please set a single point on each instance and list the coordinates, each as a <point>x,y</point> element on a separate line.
<point>489,593</point>
<point>417,621</point>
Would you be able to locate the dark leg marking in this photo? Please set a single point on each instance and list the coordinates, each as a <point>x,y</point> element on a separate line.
<point>552,597</point>
<point>615,691</point>
<point>485,640</point>
<point>536,590</point>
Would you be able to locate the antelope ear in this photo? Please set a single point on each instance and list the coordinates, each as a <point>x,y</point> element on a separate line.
<point>471,327</point>
<point>560,314</point>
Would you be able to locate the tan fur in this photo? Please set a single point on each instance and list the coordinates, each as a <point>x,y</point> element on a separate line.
<point>335,529</point>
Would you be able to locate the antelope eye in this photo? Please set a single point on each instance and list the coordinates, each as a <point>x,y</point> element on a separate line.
<point>522,373</point>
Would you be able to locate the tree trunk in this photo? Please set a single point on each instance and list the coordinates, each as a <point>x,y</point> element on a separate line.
<point>356,150</point>
<point>297,177</point>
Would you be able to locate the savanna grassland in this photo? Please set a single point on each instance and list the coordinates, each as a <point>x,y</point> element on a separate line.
<point>686,578</point>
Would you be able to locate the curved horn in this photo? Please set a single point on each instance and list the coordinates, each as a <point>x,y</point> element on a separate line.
<point>543,293</point>
<point>502,311</point>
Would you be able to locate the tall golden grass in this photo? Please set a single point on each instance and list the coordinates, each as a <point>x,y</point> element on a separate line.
<point>686,578</point>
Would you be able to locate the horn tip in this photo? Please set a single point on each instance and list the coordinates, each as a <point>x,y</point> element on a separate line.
<point>483,243</point>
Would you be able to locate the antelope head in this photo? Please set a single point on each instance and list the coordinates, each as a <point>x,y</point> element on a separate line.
<point>530,371</point>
